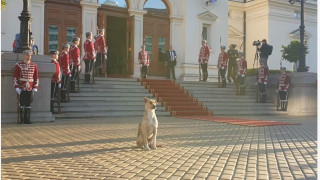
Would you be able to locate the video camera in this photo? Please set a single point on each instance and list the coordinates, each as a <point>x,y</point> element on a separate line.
<point>256,43</point>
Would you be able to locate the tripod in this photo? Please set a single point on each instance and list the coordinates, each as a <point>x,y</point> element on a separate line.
<point>256,58</point>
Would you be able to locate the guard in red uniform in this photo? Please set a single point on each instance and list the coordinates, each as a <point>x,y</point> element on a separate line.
<point>143,58</point>
<point>262,81</point>
<point>56,77</point>
<point>74,55</point>
<point>89,56</point>
<point>204,59</point>
<point>222,65</point>
<point>65,71</point>
<point>241,73</point>
<point>101,50</point>
<point>26,81</point>
<point>283,86</point>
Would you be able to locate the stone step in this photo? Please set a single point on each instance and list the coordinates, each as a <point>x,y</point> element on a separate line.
<point>106,99</point>
<point>111,86</point>
<point>201,88</point>
<point>101,94</point>
<point>226,96</point>
<point>237,104</point>
<point>103,103</point>
<point>224,99</point>
<point>87,115</point>
<point>110,90</point>
<point>260,112</point>
<point>108,108</point>
<point>241,108</point>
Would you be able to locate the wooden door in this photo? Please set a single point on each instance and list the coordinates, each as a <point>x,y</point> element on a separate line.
<point>130,45</point>
<point>156,38</point>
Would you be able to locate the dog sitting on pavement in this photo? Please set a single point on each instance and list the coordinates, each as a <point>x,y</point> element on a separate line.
<point>147,131</point>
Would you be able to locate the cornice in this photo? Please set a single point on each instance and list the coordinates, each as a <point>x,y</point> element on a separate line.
<point>89,4</point>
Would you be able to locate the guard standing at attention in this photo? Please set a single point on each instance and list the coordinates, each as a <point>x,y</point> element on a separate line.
<point>56,77</point>
<point>222,65</point>
<point>26,81</point>
<point>89,56</point>
<point>65,71</point>
<point>204,59</point>
<point>74,62</point>
<point>241,73</point>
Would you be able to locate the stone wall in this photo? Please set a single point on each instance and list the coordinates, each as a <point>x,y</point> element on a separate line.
<point>41,101</point>
<point>302,94</point>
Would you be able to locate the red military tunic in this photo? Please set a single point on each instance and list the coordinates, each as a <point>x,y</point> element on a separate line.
<point>56,76</point>
<point>74,55</point>
<point>204,54</point>
<point>284,81</point>
<point>100,45</point>
<point>223,60</point>
<point>242,66</point>
<point>262,75</point>
<point>64,63</point>
<point>143,58</point>
<point>26,76</point>
<point>89,50</point>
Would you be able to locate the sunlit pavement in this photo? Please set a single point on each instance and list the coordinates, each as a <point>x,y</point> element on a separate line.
<point>189,149</point>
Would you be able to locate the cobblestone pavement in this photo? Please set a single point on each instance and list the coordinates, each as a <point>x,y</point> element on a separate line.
<point>189,149</point>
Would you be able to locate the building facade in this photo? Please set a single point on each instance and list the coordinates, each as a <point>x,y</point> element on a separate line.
<point>183,24</point>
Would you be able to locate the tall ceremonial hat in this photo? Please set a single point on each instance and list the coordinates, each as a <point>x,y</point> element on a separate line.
<point>223,47</point>
<point>88,34</point>
<point>203,40</point>
<point>75,39</point>
<point>100,30</point>
<point>54,52</point>
<point>65,46</point>
<point>27,52</point>
<point>233,45</point>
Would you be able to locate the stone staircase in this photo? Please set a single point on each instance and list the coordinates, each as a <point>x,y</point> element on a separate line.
<point>224,101</point>
<point>108,97</point>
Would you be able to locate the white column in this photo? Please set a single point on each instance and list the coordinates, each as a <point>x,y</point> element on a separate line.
<point>138,38</point>
<point>177,42</point>
<point>37,23</point>
<point>89,22</point>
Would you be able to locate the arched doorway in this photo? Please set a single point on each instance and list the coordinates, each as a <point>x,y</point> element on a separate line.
<point>156,35</point>
<point>114,17</point>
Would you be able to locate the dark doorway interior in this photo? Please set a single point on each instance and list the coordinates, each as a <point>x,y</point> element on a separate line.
<point>117,47</point>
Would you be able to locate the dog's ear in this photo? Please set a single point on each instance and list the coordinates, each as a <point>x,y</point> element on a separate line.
<point>145,99</point>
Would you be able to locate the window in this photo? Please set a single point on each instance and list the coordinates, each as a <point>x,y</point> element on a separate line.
<point>162,43</point>
<point>53,37</point>
<point>149,46</point>
<point>297,15</point>
<point>71,33</point>
<point>206,33</point>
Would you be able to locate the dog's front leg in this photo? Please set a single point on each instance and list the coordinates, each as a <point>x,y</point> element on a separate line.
<point>154,139</point>
<point>145,141</point>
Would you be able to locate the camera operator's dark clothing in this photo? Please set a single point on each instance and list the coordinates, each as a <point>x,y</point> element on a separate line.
<point>232,68</point>
<point>263,50</point>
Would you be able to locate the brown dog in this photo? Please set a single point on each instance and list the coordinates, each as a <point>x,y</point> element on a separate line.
<point>147,132</point>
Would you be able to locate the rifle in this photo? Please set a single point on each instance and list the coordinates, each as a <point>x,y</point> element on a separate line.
<point>58,101</point>
<point>18,108</point>
<point>237,87</point>
<point>278,100</point>
<point>78,79</point>
<point>257,93</point>
<point>68,89</point>
<point>93,71</point>
<point>199,72</point>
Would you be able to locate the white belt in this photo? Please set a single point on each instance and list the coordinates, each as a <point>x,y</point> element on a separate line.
<point>28,80</point>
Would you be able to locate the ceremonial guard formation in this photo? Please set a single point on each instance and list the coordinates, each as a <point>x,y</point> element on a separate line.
<point>26,81</point>
<point>56,78</point>
<point>262,81</point>
<point>241,73</point>
<point>143,58</point>
<point>89,57</point>
<point>65,71</point>
<point>283,86</point>
<point>222,66</point>
<point>232,64</point>
<point>204,59</point>
<point>171,62</point>
<point>74,62</point>
<point>101,51</point>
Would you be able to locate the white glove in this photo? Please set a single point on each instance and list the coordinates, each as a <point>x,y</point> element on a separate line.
<point>34,90</point>
<point>285,90</point>
<point>59,85</point>
<point>70,75</point>
<point>265,83</point>
<point>256,83</point>
<point>277,91</point>
<point>222,67</point>
<point>18,90</point>
<point>243,75</point>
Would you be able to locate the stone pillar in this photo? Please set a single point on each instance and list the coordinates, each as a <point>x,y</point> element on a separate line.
<point>177,42</point>
<point>138,38</point>
<point>37,9</point>
<point>89,22</point>
<point>41,101</point>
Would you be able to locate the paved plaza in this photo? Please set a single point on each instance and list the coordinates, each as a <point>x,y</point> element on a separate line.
<point>189,149</point>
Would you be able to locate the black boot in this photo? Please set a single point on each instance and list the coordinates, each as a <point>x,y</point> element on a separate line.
<point>22,109</point>
<point>224,83</point>
<point>63,96</point>
<point>52,106</point>
<point>27,115</point>
<point>87,78</point>
<point>72,86</point>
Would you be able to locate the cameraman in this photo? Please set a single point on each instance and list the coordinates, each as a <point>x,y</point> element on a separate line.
<point>264,52</point>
